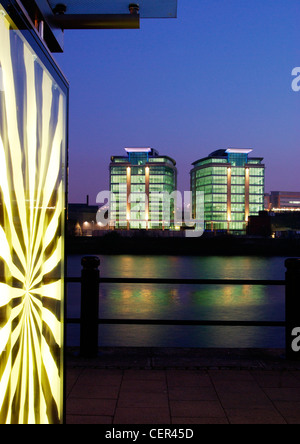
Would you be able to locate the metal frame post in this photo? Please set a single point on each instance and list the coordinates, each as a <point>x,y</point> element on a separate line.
<point>90,275</point>
<point>292,308</point>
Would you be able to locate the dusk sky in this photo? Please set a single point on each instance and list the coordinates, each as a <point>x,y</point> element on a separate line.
<point>218,76</point>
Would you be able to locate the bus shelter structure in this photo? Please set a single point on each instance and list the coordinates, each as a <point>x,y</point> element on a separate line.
<point>33,193</point>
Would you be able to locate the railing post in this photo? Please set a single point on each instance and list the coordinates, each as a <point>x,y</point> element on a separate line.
<point>89,306</point>
<point>292,309</point>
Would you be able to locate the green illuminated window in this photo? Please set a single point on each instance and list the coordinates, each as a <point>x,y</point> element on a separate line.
<point>118,179</point>
<point>255,208</point>
<point>218,216</point>
<point>220,207</point>
<point>253,161</point>
<point>118,170</point>
<point>218,170</point>
<point>238,189</point>
<point>256,180</point>
<point>139,187</point>
<point>118,187</point>
<point>238,180</point>
<point>238,207</point>
<point>219,197</point>
<point>256,171</point>
<point>256,189</point>
<point>237,226</point>
<point>239,198</point>
<point>238,216</point>
<point>219,179</point>
<point>120,160</point>
<point>137,179</point>
<point>237,171</point>
<point>219,188</point>
<point>256,198</point>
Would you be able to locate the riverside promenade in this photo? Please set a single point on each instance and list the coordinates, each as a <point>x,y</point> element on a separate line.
<point>182,386</point>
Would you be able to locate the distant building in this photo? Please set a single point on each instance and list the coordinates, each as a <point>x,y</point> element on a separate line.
<point>138,182</point>
<point>233,188</point>
<point>82,219</point>
<point>285,223</point>
<point>282,200</point>
<point>275,224</point>
<point>267,201</point>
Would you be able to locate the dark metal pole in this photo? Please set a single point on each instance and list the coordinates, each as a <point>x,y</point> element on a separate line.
<point>89,306</point>
<point>292,309</point>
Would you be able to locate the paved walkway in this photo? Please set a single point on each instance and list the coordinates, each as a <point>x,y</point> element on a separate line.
<point>183,386</point>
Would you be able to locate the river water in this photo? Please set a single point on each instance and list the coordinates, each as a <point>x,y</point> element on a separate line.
<point>213,302</point>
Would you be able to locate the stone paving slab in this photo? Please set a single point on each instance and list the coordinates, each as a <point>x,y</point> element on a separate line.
<point>180,386</point>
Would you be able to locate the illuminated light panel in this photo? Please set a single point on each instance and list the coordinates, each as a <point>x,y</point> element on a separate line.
<point>138,150</point>
<point>32,198</point>
<point>239,150</point>
<point>284,209</point>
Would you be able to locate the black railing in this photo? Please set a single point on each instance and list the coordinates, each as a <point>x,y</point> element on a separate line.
<point>89,321</point>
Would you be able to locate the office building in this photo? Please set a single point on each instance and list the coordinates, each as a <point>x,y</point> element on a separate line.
<point>82,219</point>
<point>282,201</point>
<point>141,183</point>
<point>232,184</point>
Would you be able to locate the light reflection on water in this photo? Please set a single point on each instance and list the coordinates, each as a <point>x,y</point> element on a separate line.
<point>214,302</point>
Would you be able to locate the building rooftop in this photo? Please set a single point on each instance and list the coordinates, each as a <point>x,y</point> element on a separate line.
<point>151,153</point>
<point>225,152</point>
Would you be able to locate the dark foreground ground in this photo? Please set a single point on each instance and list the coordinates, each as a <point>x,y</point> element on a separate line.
<point>182,386</point>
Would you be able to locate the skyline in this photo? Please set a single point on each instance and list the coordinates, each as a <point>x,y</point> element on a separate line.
<point>218,76</point>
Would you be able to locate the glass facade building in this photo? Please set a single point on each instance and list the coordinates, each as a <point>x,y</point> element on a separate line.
<point>141,185</point>
<point>233,187</point>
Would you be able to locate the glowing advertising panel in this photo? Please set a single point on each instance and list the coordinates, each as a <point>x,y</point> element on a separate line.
<point>33,109</point>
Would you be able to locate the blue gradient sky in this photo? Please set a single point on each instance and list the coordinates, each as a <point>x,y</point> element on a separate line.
<point>217,76</point>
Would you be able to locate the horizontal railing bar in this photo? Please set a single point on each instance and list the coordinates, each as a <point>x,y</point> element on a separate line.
<point>73,279</point>
<point>185,322</point>
<point>191,281</point>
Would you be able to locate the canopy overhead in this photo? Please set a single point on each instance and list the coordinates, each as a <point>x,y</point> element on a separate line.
<point>58,15</point>
<point>146,8</point>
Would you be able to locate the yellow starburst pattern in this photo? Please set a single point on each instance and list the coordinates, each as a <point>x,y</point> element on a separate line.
<point>32,202</point>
